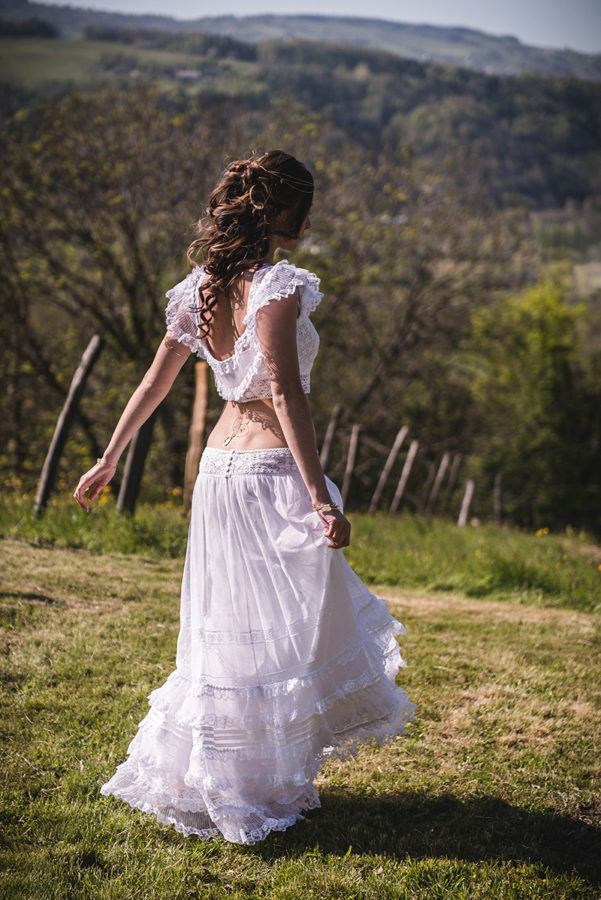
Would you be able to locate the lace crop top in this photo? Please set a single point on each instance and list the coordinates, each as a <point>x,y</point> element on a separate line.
<point>243,375</point>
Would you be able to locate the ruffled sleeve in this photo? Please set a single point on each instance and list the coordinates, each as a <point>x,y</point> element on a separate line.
<point>181,314</point>
<point>311,295</point>
<point>282,280</point>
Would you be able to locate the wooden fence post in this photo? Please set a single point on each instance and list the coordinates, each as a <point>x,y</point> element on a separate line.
<point>452,479</point>
<point>134,466</point>
<point>401,435</point>
<point>440,474</point>
<point>423,499</point>
<point>465,505</point>
<point>350,462</point>
<point>329,438</point>
<point>498,498</point>
<point>398,494</point>
<point>69,410</point>
<point>196,433</point>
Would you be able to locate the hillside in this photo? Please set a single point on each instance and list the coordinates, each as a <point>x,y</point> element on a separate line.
<point>502,55</point>
<point>537,139</point>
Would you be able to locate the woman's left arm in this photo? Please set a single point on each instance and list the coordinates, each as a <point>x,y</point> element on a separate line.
<point>153,388</point>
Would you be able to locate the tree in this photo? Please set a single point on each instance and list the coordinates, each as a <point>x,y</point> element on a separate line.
<point>100,192</point>
<point>540,415</point>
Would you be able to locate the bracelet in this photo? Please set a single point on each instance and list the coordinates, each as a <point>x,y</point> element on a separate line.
<point>328,506</point>
<point>168,342</point>
<point>101,461</point>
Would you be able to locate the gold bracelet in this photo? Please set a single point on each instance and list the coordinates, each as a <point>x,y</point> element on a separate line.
<point>322,506</point>
<point>101,461</point>
<point>168,342</point>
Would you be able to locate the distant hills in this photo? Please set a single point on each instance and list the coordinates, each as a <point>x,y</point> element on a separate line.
<point>466,47</point>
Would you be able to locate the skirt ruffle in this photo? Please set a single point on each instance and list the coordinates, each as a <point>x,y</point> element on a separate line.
<point>284,660</point>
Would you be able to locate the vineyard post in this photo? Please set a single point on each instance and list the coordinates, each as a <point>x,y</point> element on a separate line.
<point>329,438</point>
<point>442,468</point>
<point>61,432</point>
<point>350,462</point>
<point>465,504</point>
<point>398,494</point>
<point>401,435</point>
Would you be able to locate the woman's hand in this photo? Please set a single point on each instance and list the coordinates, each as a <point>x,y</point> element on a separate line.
<point>93,481</point>
<point>337,528</point>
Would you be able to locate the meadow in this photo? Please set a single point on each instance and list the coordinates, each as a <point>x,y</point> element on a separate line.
<point>494,792</point>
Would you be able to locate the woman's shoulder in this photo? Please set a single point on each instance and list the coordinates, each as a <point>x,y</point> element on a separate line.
<point>274,282</point>
<point>285,272</point>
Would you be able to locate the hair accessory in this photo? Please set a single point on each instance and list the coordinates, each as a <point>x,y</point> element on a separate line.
<point>302,185</point>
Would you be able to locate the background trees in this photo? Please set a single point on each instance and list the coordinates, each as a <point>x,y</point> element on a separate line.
<point>417,253</point>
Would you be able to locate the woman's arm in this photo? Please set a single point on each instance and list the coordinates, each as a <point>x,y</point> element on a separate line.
<point>153,388</point>
<point>276,331</point>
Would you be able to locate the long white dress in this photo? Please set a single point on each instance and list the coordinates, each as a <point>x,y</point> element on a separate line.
<point>284,657</point>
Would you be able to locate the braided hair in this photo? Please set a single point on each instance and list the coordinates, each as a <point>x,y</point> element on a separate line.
<point>240,217</point>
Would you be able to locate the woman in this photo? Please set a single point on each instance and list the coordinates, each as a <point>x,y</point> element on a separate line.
<point>284,658</point>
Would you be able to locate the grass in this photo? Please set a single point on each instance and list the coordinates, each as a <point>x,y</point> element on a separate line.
<point>404,551</point>
<point>493,794</point>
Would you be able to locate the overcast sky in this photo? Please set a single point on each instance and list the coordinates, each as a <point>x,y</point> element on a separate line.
<point>543,23</point>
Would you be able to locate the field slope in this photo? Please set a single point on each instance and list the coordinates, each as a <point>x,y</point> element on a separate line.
<point>493,794</point>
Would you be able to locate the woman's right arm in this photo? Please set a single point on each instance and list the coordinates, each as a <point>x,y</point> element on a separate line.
<point>153,388</point>
<point>276,330</point>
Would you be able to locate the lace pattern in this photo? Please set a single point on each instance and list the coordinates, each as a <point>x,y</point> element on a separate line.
<point>285,659</point>
<point>243,375</point>
<point>270,461</point>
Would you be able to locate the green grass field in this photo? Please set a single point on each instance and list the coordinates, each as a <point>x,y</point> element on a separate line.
<point>493,794</point>
<point>39,63</point>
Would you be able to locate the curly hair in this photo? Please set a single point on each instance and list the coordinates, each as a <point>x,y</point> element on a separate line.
<point>252,196</point>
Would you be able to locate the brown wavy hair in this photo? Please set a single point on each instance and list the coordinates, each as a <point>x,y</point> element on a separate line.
<point>234,233</point>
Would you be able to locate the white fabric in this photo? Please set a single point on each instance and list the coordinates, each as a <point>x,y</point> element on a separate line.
<point>243,376</point>
<point>284,659</point>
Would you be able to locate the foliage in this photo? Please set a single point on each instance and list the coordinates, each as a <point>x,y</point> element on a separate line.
<point>196,44</point>
<point>32,27</point>
<point>539,409</point>
<point>536,138</point>
<point>414,240</point>
<point>97,212</point>
<point>103,211</point>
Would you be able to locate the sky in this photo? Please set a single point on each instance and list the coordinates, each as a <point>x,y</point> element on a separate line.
<point>543,23</point>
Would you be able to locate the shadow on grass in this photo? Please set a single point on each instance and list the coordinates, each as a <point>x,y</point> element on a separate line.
<point>26,595</point>
<point>415,825</point>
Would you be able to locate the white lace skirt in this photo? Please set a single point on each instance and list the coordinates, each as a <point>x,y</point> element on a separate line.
<point>284,659</point>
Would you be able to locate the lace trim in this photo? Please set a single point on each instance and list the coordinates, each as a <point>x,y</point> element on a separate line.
<point>181,320</point>
<point>165,808</point>
<point>130,785</point>
<point>382,662</point>
<point>260,389</point>
<point>269,461</point>
<point>290,277</point>
<point>374,708</point>
<point>204,688</point>
<point>312,296</point>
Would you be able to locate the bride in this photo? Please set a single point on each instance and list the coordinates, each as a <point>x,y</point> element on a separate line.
<point>284,657</point>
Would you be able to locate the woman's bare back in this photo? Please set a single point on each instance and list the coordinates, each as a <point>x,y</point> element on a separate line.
<point>252,425</point>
